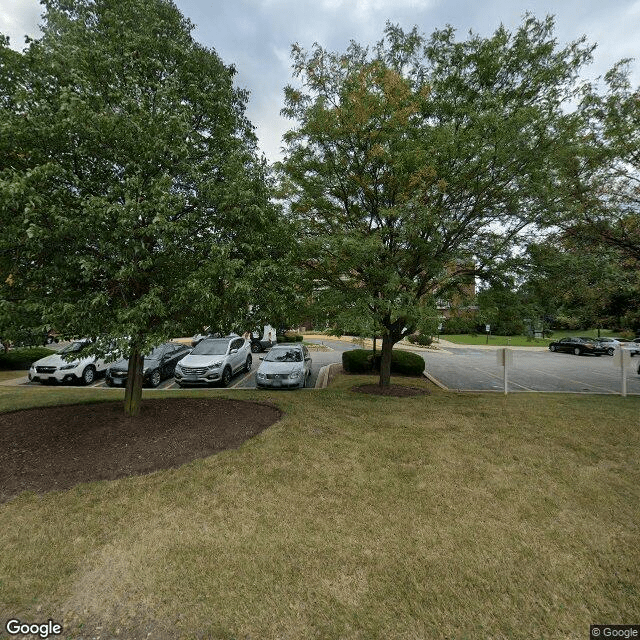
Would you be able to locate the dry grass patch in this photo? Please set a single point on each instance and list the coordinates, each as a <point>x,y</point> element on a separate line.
<point>465,516</point>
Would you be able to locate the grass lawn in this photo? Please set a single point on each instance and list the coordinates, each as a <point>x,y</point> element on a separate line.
<point>522,341</point>
<point>448,515</point>
<point>10,375</point>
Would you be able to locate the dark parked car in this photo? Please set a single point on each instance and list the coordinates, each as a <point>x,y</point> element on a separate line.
<point>158,365</point>
<point>579,346</point>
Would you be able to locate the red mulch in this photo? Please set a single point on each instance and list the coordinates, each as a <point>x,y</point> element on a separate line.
<point>396,390</point>
<point>53,448</point>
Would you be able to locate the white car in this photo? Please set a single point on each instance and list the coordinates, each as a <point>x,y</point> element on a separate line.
<point>214,360</point>
<point>286,365</point>
<point>68,365</point>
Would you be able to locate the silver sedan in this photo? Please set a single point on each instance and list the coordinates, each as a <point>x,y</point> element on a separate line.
<point>285,366</point>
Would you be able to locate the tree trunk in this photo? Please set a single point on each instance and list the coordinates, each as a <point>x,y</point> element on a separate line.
<point>385,362</point>
<point>133,391</point>
<point>374,347</point>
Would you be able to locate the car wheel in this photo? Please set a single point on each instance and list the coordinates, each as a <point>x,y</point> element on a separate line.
<point>88,375</point>
<point>155,378</point>
<point>610,351</point>
<point>226,377</point>
<point>577,351</point>
<point>255,348</point>
<point>248,363</point>
<point>108,382</point>
<point>552,347</point>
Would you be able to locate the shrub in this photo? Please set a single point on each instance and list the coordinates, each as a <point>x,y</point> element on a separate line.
<point>402,362</point>
<point>357,361</point>
<point>457,325</point>
<point>417,338</point>
<point>290,337</point>
<point>22,358</point>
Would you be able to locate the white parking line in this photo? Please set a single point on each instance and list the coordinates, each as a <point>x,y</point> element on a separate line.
<point>580,382</point>
<point>233,386</point>
<point>510,383</point>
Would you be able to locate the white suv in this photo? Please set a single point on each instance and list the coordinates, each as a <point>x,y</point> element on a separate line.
<point>214,360</point>
<point>68,365</point>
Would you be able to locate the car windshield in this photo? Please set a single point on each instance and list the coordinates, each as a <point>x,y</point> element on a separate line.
<point>284,355</point>
<point>156,353</point>
<point>211,348</point>
<point>74,347</point>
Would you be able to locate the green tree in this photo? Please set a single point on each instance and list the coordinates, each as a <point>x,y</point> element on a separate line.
<point>132,201</point>
<point>423,161</point>
<point>601,173</point>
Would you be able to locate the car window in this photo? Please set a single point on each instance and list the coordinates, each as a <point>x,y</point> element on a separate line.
<point>74,347</point>
<point>237,344</point>
<point>284,355</point>
<point>156,353</point>
<point>211,347</point>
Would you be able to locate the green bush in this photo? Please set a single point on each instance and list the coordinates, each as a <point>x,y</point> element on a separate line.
<point>22,358</point>
<point>403,363</point>
<point>418,338</point>
<point>290,337</point>
<point>456,325</point>
<point>357,361</point>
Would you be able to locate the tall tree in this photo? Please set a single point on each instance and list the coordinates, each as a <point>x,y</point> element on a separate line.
<point>132,199</point>
<point>602,182</point>
<point>421,162</point>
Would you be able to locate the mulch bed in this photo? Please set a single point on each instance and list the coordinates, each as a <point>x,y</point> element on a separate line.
<point>396,390</point>
<point>53,448</point>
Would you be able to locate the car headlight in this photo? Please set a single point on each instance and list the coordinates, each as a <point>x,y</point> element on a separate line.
<point>71,365</point>
<point>215,365</point>
<point>294,374</point>
<point>261,375</point>
<point>178,368</point>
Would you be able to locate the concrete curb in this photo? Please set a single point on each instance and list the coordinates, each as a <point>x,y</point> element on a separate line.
<point>435,381</point>
<point>323,376</point>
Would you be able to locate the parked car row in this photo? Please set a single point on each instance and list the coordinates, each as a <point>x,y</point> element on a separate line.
<point>212,361</point>
<point>595,346</point>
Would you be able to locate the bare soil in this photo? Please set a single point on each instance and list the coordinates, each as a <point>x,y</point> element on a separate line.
<point>54,448</point>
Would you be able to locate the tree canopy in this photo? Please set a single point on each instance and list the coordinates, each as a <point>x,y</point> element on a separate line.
<point>132,199</point>
<point>421,162</point>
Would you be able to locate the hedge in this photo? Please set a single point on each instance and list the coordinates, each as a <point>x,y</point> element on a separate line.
<point>402,362</point>
<point>290,337</point>
<point>22,358</point>
<point>418,338</point>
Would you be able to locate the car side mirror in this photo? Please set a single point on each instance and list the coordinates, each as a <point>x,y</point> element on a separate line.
<point>233,351</point>
<point>261,358</point>
<point>307,359</point>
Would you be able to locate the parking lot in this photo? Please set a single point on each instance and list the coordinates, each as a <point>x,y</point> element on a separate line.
<point>467,368</point>
<point>534,369</point>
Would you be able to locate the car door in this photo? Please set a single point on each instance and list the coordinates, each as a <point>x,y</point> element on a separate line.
<point>307,360</point>
<point>238,357</point>
<point>566,345</point>
<point>176,353</point>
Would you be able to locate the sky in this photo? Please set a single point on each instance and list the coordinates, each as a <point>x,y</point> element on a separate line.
<point>256,35</point>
